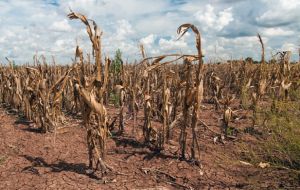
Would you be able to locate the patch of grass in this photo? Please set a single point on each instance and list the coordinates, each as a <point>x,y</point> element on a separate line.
<point>115,99</point>
<point>232,131</point>
<point>281,145</point>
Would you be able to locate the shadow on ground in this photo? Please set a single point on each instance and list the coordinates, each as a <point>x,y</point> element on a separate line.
<point>147,150</point>
<point>80,168</point>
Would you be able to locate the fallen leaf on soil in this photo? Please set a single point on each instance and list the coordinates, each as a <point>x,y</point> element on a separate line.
<point>263,165</point>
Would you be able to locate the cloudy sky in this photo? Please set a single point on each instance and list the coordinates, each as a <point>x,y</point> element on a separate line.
<point>228,27</point>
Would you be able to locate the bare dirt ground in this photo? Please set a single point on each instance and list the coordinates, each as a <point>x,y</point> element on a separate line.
<point>31,160</point>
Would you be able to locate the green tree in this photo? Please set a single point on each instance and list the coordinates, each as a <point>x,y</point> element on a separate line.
<point>117,63</point>
<point>115,69</point>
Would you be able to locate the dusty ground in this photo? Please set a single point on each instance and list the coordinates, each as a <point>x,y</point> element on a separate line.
<point>31,160</point>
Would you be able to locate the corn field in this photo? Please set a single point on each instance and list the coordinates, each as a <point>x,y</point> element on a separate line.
<point>160,94</point>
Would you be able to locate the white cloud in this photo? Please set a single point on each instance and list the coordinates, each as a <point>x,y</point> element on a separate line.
<point>148,40</point>
<point>276,32</point>
<point>289,47</point>
<point>172,44</point>
<point>279,12</point>
<point>227,26</point>
<point>61,26</point>
<point>124,29</point>
<point>283,4</point>
<point>242,41</point>
<point>209,17</point>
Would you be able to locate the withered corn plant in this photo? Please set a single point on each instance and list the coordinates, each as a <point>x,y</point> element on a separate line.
<point>261,82</point>
<point>227,114</point>
<point>37,93</point>
<point>197,94</point>
<point>92,95</point>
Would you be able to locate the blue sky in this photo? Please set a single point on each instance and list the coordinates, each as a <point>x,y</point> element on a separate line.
<point>228,27</point>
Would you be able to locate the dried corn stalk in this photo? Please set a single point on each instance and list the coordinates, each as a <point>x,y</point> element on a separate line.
<point>92,95</point>
<point>198,91</point>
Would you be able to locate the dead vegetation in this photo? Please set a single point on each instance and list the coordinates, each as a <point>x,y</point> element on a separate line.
<point>169,95</point>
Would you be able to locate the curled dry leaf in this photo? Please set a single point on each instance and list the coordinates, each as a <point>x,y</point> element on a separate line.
<point>263,165</point>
